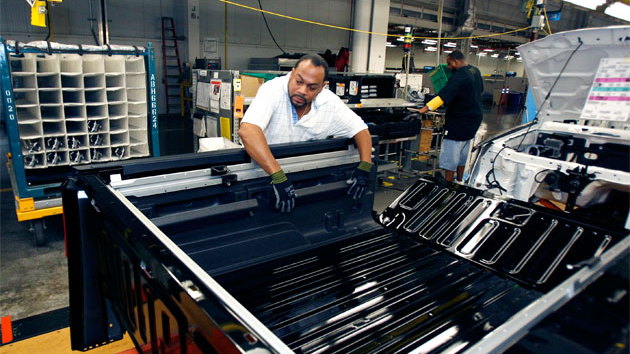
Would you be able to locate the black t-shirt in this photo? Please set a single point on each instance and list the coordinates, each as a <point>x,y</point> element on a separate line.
<point>462,95</point>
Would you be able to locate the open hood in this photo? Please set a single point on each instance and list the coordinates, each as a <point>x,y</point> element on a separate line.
<point>544,60</point>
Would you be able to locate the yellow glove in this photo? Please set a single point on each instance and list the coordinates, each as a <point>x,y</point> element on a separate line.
<point>435,103</point>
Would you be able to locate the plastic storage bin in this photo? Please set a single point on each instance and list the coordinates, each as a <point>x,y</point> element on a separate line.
<point>439,77</point>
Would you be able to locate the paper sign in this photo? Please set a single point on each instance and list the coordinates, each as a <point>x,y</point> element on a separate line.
<point>353,90</point>
<point>203,95</point>
<point>341,89</point>
<point>226,96</point>
<point>609,98</point>
<point>215,92</point>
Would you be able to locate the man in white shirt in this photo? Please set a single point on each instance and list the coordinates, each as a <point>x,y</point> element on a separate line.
<point>294,108</point>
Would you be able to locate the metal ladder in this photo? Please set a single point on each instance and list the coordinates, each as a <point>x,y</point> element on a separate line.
<point>172,65</point>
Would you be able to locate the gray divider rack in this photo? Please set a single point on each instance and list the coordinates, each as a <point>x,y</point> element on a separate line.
<point>67,105</point>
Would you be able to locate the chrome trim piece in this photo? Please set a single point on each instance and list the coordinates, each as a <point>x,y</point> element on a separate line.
<point>172,182</point>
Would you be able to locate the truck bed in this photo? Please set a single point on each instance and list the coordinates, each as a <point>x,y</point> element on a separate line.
<point>194,258</point>
<point>377,292</point>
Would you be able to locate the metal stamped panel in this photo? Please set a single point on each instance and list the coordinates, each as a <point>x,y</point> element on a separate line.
<point>379,292</point>
<point>538,247</point>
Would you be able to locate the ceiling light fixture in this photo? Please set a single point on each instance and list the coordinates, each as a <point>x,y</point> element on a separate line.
<point>429,41</point>
<point>430,49</point>
<point>488,50</point>
<point>618,10</point>
<point>495,55</point>
<point>589,4</point>
<point>451,45</point>
<point>482,54</point>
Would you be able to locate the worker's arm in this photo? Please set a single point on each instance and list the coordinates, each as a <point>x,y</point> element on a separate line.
<point>364,144</point>
<point>432,105</point>
<point>257,148</point>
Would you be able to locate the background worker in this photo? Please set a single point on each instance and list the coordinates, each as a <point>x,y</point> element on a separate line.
<point>464,112</point>
<point>296,107</point>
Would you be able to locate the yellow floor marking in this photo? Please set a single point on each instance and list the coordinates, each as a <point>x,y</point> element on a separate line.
<point>59,342</point>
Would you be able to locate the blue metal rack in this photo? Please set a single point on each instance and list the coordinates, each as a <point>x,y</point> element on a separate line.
<point>37,200</point>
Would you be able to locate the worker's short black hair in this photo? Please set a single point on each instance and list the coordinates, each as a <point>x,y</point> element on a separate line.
<point>316,60</point>
<point>456,55</point>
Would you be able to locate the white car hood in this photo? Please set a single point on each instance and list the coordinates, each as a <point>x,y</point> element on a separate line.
<point>544,60</point>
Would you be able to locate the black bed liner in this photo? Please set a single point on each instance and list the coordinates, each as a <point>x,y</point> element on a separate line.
<point>379,292</point>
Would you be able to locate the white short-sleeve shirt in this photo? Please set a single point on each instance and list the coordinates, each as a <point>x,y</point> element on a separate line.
<point>273,112</point>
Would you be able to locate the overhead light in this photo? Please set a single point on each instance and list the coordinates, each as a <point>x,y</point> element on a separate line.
<point>451,44</point>
<point>495,55</point>
<point>448,51</point>
<point>509,57</point>
<point>429,41</point>
<point>618,10</point>
<point>389,44</point>
<point>517,53</point>
<point>589,4</point>
<point>474,46</point>
<point>482,54</point>
<point>519,59</point>
<point>488,50</point>
<point>401,38</point>
<point>430,49</point>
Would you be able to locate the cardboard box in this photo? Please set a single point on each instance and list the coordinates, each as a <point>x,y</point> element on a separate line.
<point>426,137</point>
<point>250,85</point>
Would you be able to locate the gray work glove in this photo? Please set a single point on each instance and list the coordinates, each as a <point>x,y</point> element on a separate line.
<point>359,180</point>
<point>283,191</point>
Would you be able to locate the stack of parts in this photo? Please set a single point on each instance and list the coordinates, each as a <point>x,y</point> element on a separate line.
<point>78,109</point>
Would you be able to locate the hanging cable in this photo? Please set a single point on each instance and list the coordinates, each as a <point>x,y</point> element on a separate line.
<point>92,23</point>
<point>494,183</point>
<point>549,92</point>
<point>269,29</point>
<point>362,31</point>
<point>48,37</point>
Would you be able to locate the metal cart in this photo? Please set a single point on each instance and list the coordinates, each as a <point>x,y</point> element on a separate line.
<point>66,105</point>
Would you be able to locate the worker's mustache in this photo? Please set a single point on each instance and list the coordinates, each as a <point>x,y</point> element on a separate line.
<point>300,96</point>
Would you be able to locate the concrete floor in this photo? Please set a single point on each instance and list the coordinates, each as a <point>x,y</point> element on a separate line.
<point>33,280</point>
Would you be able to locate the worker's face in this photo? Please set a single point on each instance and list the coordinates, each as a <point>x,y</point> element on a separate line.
<point>454,64</point>
<point>305,83</point>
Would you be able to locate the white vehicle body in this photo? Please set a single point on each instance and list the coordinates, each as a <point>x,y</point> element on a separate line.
<point>560,156</point>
